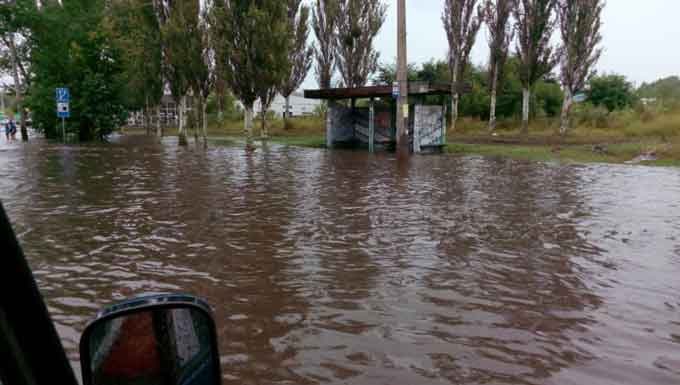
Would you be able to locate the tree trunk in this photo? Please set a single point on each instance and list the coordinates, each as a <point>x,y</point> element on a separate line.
<point>494,92</point>
<point>325,79</point>
<point>286,112</point>
<point>263,127</point>
<point>18,88</point>
<point>204,106</point>
<point>195,114</point>
<point>455,97</point>
<point>220,108</point>
<point>159,129</point>
<point>147,117</point>
<point>526,96</point>
<point>454,111</point>
<point>182,112</point>
<point>566,107</point>
<point>248,117</point>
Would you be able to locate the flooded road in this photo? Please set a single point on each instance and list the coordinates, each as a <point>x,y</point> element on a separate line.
<point>346,268</point>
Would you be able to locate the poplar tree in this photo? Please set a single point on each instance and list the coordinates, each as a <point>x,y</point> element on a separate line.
<point>359,22</point>
<point>535,24</point>
<point>462,20</point>
<point>501,32</point>
<point>325,24</point>
<point>181,22</point>
<point>199,68</point>
<point>135,28</point>
<point>300,53</point>
<point>251,42</point>
<point>580,23</point>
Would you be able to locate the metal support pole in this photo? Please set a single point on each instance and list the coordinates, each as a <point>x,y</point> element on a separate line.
<point>444,125</point>
<point>353,103</point>
<point>402,79</point>
<point>63,128</point>
<point>371,126</point>
<point>329,124</point>
<point>416,130</point>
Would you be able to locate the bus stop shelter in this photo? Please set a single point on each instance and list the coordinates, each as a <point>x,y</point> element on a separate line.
<point>366,116</point>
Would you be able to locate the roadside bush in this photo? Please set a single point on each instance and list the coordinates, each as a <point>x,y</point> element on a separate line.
<point>467,125</point>
<point>646,113</point>
<point>321,110</point>
<point>621,118</point>
<point>664,126</point>
<point>588,115</point>
<point>303,125</point>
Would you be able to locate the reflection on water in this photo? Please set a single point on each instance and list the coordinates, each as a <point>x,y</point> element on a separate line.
<point>346,268</point>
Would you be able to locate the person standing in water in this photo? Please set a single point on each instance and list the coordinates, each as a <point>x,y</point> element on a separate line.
<point>13,129</point>
<point>8,130</point>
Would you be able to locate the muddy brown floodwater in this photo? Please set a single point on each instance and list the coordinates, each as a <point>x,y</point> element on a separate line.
<point>335,267</point>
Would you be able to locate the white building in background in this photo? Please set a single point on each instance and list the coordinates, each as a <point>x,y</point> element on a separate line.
<point>299,106</point>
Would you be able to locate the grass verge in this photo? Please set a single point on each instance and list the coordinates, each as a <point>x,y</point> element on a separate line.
<point>616,153</point>
<point>471,138</point>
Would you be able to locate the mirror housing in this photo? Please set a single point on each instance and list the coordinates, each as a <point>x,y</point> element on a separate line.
<point>167,339</point>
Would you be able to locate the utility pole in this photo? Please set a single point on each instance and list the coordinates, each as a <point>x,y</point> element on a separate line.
<point>402,79</point>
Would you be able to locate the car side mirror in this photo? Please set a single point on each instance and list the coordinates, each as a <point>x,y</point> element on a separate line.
<point>162,339</point>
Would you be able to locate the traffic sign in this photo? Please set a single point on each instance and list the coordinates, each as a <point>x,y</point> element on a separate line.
<point>63,110</point>
<point>395,90</point>
<point>63,95</point>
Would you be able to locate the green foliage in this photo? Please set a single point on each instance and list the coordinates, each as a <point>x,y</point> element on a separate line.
<point>262,27</point>
<point>509,100</point>
<point>613,92</point>
<point>135,28</point>
<point>435,71</point>
<point>656,120</point>
<point>666,90</point>
<point>477,102</point>
<point>178,36</point>
<point>230,109</point>
<point>15,16</point>
<point>324,23</point>
<point>359,22</point>
<point>69,48</point>
<point>616,153</point>
<point>547,98</point>
<point>386,74</point>
<point>588,115</point>
<point>536,21</point>
<point>320,110</point>
<point>300,53</point>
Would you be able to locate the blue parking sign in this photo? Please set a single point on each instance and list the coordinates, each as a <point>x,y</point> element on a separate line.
<point>63,95</point>
<point>63,110</point>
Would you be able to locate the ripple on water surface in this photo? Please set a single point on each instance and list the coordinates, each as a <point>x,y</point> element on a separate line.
<point>345,268</point>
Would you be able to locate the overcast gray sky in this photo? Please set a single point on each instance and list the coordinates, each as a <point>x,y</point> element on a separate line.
<point>639,37</point>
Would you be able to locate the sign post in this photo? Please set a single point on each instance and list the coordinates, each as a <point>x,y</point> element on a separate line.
<point>63,108</point>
